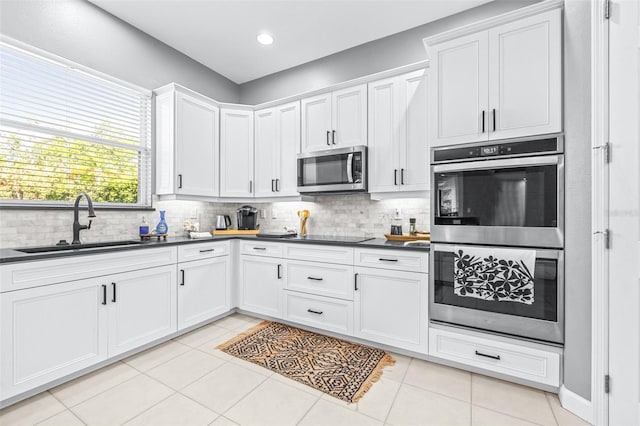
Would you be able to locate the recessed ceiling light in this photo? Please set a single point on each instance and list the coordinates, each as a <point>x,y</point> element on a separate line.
<point>265,39</point>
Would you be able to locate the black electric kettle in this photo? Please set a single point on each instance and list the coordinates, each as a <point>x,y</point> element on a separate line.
<point>223,222</point>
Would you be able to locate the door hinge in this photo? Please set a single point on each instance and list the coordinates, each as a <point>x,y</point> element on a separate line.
<point>606,9</point>
<point>606,151</point>
<point>607,383</point>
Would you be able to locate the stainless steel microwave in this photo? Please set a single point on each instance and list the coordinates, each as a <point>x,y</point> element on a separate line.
<point>340,170</point>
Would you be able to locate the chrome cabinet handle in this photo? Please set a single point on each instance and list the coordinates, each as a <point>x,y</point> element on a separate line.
<point>314,312</point>
<point>315,278</point>
<point>488,356</point>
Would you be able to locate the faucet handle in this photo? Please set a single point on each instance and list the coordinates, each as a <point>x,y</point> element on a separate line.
<point>89,225</point>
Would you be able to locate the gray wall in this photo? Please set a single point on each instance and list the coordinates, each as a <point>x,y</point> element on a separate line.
<point>577,125</point>
<point>81,32</point>
<point>380,55</point>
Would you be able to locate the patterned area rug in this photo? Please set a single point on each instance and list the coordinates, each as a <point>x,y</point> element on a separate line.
<point>342,369</point>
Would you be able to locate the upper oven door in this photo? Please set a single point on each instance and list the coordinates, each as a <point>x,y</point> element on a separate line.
<point>333,170</point>
<point>513,202</point>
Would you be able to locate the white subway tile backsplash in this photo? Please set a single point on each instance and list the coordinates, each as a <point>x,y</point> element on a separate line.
<point>340,215</point>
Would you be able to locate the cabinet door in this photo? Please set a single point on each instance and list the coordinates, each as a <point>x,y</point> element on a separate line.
<point>289,136</point>
<point>267,152</point>
<point>391,308</point>
<point>236,153</point>
<point>384,128</point>
<point>261,285</point>
<point>414,146</point>
<point>459,90</point>
<point>316,123</point>
<point>49,332</point>
<point>166,179</point>
<point>525,70</point>
<point>349,116</point>
<point>204,290</point>
<point>196,146</point>
<point>141,307</point>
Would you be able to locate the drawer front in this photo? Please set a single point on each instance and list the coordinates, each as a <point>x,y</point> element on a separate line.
<point>533,364</point>
<point>393,259</point>
<point>320,253</point>
<point>261,249</point>
<point>16,276</point>
<point>324,279</point>
<point>197,251</point>
<point>320,312</point>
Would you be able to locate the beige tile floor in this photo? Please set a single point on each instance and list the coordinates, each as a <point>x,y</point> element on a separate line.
<point>187,381</point>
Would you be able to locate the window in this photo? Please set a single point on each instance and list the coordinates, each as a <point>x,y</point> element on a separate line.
<point>65,129</point>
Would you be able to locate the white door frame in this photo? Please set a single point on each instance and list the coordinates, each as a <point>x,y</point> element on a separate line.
<point>599,214</point>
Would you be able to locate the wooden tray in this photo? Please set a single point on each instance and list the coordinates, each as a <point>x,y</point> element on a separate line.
<point>407,237</point>
<point>236,232</point>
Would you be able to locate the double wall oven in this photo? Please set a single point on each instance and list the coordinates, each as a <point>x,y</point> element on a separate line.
<point>497,232</point>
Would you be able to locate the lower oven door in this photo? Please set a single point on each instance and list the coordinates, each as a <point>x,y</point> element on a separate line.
<point>539,317</point>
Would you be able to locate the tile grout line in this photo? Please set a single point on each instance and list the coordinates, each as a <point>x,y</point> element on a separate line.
<point>142,412</point>
<point>244,396</point>
<point>309,410</point>
<point>553,413</point>
<point>508,415</point>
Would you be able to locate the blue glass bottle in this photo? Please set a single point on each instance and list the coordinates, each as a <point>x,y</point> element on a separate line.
<point>161,227</point>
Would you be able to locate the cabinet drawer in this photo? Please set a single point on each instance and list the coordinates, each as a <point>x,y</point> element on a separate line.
<point>393,259</point>
<point>197,251</point>
<point>320,253</point>
<point>320,312</point>
<point>16,276</point>
<point>261,248</point>
<point>538,365</point>
<point>324,279</point>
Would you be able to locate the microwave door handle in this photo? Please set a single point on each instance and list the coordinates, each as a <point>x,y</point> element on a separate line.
<point>350,168</point>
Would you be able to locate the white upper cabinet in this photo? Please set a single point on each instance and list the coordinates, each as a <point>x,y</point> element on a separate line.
<point>277,141</point>
<point>186,143</point>
<point>236,153</point>
<point>335,119</point>
<point>503,82</point>
<point>398,148</point>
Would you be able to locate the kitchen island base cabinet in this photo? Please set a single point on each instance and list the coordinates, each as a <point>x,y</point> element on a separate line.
<point>48,332</point>
<point>391,308</point>
<point>261,285</point>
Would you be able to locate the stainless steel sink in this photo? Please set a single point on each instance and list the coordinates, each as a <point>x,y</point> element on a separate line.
<point>45,249</point>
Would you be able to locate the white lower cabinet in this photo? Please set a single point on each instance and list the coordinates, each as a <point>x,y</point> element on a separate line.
<point>321,312</point>
<point>261,285</point>
<point>48,332</point>
<point>391,308</point>
<point>204,290</point>
<point>141,307</point>
<point>537,363</point>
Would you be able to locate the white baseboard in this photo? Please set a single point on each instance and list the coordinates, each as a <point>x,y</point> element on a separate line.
<point>576,404</point>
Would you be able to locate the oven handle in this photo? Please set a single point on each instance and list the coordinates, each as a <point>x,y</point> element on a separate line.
<point>541,253</point>
<point>350,168</point>
<point>499,163</point>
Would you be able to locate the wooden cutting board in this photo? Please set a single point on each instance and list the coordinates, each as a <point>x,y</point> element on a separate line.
<point>236,232</point>
<point>407,237</point>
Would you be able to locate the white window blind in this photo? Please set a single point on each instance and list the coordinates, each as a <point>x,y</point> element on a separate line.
<point>64,130</point>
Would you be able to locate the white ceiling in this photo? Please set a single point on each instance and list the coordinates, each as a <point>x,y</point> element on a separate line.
<point>221,34</point>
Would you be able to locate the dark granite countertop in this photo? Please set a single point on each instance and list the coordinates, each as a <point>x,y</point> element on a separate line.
<point>13,255</point>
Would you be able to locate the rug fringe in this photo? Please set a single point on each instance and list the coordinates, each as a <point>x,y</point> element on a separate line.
<point>233,340</point>
<point>386,361</point>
